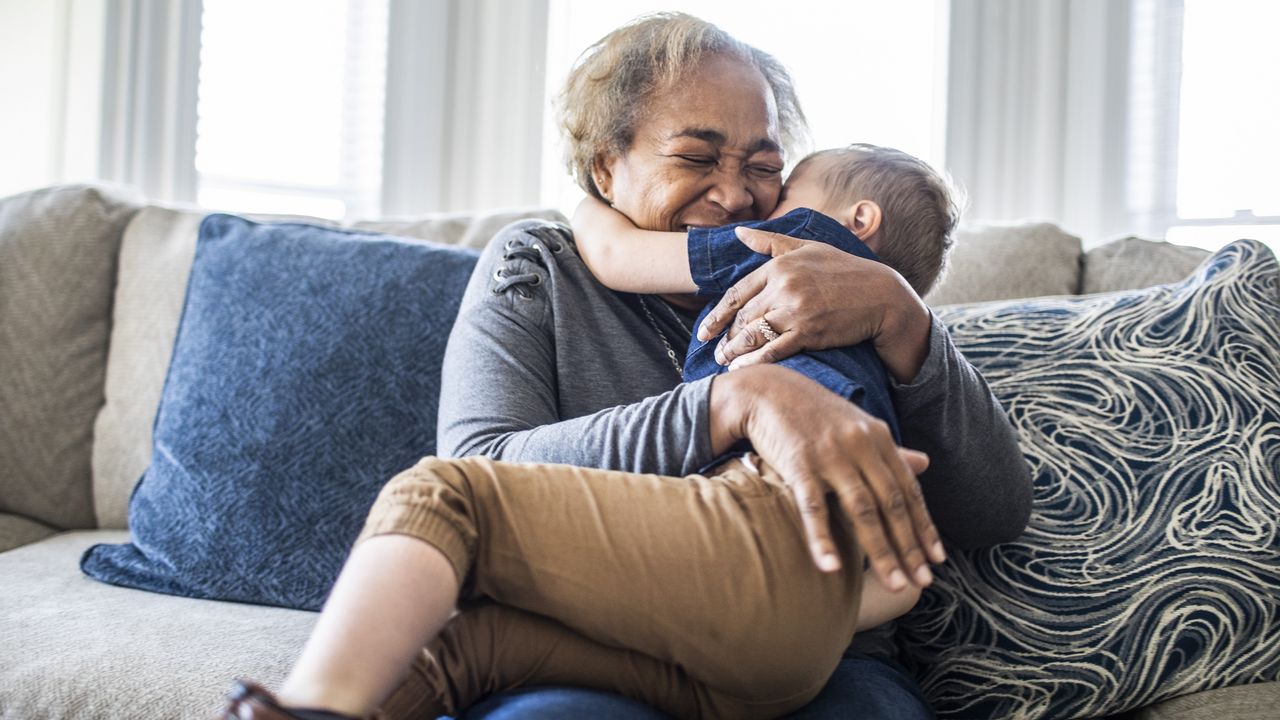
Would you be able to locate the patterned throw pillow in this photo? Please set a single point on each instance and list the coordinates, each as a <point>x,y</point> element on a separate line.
<point>1151,567</point>
<point>305,374</point>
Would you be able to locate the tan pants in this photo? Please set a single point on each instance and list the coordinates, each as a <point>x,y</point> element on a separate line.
<point>696,595</point>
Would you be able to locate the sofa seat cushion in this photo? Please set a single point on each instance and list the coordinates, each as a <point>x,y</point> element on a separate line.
<point>74,648</point>
<point>1151,566</point>
<point>1260,701</point>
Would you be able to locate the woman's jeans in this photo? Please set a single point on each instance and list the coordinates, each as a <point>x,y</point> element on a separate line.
<point>696,595</point>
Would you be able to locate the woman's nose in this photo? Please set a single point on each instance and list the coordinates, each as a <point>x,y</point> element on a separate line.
<point>732,194</point>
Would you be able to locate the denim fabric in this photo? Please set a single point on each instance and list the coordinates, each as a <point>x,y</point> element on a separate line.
<point>304,375</point>
<point>717,260</point>
<point>862,687</point>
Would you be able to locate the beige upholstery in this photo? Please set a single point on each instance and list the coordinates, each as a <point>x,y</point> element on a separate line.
<point>16,531</point>
<point>463,229</point>
<point>155,259</point>
<point>73,648</point>
<point>1135,263</point>
<point>58,250</point>
<point>1246,702</point>
<point>1006,261</point>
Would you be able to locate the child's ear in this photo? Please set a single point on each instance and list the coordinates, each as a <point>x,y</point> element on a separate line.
<point>602,176</point>
<point>864,220</point>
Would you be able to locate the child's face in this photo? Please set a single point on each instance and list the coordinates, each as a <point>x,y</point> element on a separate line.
<point>803,190</point>
<point>806,188</point>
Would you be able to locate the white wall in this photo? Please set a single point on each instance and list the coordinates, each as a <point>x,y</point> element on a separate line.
<point>50,78</point>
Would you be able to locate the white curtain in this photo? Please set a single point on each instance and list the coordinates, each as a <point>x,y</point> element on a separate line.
<point>465,83</point>
<point>1037,111</point>
<point>150,68</point>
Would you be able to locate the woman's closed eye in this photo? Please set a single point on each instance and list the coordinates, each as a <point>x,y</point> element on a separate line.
<point>765,171</point>
<point>698,160</point>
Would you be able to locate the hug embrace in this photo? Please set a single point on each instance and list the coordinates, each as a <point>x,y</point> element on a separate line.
<point>611,509</point>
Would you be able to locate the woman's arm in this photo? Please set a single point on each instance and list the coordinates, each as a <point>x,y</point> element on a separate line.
<point>545,369</point>
<point>978,487</point>
<point>625,258</point>
<point>528,369</point>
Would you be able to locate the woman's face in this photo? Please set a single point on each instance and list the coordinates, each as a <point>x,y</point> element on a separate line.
<point>706,153</point>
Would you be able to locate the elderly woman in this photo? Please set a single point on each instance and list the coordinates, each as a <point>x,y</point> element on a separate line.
<point>689,592</point>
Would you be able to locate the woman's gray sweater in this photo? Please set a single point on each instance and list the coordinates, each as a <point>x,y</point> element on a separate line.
<point>545,364</point>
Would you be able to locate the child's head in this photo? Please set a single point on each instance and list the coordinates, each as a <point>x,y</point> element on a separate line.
<point>900,207</point>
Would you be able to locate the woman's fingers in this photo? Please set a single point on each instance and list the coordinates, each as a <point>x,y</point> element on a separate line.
<point>812,503</point>
<point>910,463</point>
<point>724,311</point>
<point>859,504</point>
<point>787,344</point>
<point>894,503</point>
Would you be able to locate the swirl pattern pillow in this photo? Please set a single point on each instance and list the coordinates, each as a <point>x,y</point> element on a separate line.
<point>1151,567</point>
<point>305,374</point>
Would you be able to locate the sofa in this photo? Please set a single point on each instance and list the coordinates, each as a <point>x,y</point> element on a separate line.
<point>91,294</point>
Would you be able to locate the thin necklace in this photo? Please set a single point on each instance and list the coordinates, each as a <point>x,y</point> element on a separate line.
<point>653,322</point>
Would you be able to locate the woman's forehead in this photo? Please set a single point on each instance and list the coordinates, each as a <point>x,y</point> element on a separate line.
<point>724,101</point>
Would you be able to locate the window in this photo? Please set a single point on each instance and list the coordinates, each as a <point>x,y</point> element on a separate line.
<point>290,106</point>
<point>866,71</point>
<point>1205,156</point>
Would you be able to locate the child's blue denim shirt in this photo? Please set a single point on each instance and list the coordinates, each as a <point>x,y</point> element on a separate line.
<point>717,259</point>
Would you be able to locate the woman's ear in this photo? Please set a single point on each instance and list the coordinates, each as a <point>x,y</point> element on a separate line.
<point>864,220</point>
<point>602,176</point>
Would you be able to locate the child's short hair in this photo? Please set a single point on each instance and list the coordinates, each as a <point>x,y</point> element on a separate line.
<point>920,207</point>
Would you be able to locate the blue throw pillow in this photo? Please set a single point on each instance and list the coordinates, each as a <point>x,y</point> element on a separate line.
<point>305,374</point>
<point>1151,567</point>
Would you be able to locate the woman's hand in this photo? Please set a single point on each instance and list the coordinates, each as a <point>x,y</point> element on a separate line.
<point>820,443</point>
<point>815,297</point>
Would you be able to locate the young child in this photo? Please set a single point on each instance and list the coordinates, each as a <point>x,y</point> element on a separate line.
<point>875,202</point>
<point>506,631</point>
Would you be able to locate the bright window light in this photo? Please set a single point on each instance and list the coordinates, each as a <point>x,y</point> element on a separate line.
<point>865,70</point>
<point>289,116</point>
<point>1228,147</point>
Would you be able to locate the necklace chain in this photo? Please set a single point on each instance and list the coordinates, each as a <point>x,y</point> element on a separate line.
<point>653,322</point>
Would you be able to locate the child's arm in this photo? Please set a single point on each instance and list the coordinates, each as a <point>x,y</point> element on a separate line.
<point>624,257</point>
<point>880,605</point>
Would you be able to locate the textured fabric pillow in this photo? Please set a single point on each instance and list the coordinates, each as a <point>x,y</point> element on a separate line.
<point>1151,567</point>
<point>57,268</point>
<point>1006,261</point>
<point>1132,262</point>
<point>305,374</point>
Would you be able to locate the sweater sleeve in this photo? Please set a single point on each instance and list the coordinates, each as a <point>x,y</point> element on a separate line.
<point>978,485</point>
<point>507,392</point>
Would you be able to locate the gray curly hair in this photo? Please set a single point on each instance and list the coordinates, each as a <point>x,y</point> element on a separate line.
<point>608,90</point>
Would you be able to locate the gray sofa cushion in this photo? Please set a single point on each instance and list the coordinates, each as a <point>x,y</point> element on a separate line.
<point>463,229</point>
<point>1131,263</point>
<point>1260,701</point>
<point>155,259</point>
<point>58,250</point>
<point>1007,261</point>
<point>74,648</point>
<point>16,531</point>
